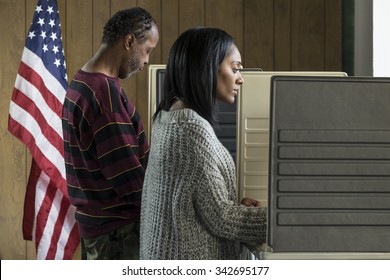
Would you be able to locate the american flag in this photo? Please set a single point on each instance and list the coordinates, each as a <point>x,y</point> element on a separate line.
<point>35,119</point>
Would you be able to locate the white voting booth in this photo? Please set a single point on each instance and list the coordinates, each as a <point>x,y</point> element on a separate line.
<point>250,146</point>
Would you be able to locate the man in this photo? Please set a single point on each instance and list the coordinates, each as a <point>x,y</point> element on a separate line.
<point>106,149</point>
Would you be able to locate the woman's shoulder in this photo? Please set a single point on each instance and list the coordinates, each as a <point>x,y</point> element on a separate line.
<point>184,117</point>
<point>188,121</point>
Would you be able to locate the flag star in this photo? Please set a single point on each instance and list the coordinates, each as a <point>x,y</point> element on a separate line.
<point>50,10</point>
<point>57,62</point>
<point>31,34</point>
<point>51,23</point>
<point>55,49</point>
<point>64,64</point>
<point>66,77</point>
<point>44,48</point>
<point>53,36</point>
<point>41,21</point>
<point>38,9</point>
<point>43,34</point>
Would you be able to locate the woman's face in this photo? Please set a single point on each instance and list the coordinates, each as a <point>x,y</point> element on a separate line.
<point>229,77</point>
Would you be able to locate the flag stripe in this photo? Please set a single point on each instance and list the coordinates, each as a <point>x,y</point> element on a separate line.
<point>29,203</point>
<point>35,62</point>
<point>67,224</point>
<point>51,163</point>
<point>48,132</point>
<point>55,221</point>
<point>57,216</point>
<point>31,79</point>
<point>45,197</point>
<point>30,125</point>
<point>73,236</point>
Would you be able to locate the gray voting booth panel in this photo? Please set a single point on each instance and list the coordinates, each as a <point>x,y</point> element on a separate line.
<point>253,114</point>
<point>329,164</point>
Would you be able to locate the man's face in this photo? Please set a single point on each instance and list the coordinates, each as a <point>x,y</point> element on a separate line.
<point>139,55</point>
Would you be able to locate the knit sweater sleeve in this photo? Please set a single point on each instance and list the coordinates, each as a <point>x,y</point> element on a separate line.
<point>215,197</point>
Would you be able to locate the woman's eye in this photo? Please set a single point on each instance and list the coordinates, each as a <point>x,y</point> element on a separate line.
<point>237,69</point>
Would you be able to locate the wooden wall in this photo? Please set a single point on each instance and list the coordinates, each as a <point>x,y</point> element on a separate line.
<point>271,34</point>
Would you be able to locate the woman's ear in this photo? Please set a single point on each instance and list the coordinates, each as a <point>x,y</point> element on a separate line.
<point>129,40</point>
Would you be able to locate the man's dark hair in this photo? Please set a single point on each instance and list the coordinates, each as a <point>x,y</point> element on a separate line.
<point>192,70</point>
<point>136,20</point>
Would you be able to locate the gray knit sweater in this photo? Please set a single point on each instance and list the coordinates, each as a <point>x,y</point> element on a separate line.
<point>189,206</point>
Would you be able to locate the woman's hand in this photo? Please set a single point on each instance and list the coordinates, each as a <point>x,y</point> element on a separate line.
<point>249,202</point>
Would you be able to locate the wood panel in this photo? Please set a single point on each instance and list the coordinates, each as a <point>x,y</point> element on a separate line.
<point>191,13</point>
<point>282,35</point>
<point>169,27</point>
<point>79,37</point>
<point>271,34</point>
<point>333,35</point>
<point>154,7</point>
<point>308,35</point>
<point>13,153</point>
<point>100,14</point>
<point>227,15</point>
<point>258,34</point>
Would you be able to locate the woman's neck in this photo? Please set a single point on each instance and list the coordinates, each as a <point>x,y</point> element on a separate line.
<point>178,105</point>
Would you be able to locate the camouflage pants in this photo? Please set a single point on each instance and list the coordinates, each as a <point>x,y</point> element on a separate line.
<point>120,244</point>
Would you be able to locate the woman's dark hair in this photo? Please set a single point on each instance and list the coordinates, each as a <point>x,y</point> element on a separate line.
<point>136,20</point>
<point>192,70</point>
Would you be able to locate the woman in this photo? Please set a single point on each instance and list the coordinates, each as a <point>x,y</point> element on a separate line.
<point>189,204</point>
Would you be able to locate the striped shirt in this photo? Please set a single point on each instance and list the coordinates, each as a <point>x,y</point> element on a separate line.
<point>106,153</point>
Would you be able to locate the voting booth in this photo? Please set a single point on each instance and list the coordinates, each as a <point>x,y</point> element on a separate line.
<point>315,148</point>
